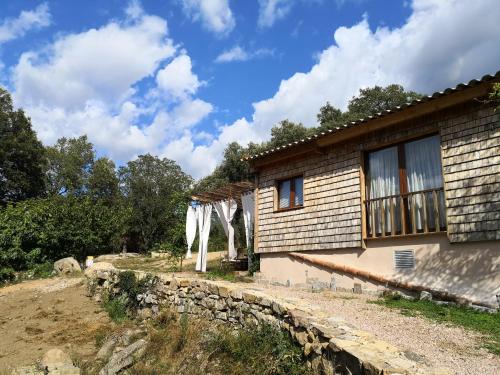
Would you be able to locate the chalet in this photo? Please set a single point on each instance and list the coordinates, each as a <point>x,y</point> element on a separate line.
<point>409,197</point>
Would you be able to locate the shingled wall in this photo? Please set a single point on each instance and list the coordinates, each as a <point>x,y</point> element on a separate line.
<point>331,216</point>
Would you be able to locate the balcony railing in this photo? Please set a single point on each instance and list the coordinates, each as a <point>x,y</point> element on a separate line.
<point>405,214</point>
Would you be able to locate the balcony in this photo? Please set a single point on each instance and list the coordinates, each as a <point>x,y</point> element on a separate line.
<point>406,214</point>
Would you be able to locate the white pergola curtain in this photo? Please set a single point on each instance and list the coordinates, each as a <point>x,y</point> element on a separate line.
<point>191,224</point>
<point>204,213</point>
<point>226,210</point>
<point>248,203</point>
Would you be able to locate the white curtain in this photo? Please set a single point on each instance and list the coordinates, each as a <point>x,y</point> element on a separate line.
<point>226,210</point>
<point>384,182</point>
<point>204,216</point>
<point>423,169</point>
<point>191,225</point>
<point>248,203</point>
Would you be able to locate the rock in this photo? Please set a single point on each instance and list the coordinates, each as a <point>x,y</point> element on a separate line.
<point>67,266</point>
<point>100,270</point>
<point>425,296</point>
<point>58,362</point>
<point>28,370</point>
<point>124,358</point>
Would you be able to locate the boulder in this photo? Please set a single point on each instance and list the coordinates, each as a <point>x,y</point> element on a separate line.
<point>100,270</point>
<point>425,296</point>
<point>124,358</point>
<point>67,265</point>
<point>57,362</point>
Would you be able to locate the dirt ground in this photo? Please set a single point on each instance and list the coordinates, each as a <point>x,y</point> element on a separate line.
<point>38,315</point>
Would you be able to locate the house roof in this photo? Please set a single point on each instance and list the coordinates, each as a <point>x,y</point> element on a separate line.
<point>387,113</point>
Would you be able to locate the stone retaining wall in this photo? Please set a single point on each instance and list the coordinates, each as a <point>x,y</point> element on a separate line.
<point>330,345</point>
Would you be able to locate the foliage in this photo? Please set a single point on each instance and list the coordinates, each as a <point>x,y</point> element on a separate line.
<point>129,287</point>
<point>220,272</point>
<point>495,95</point>
<point>116,308</point>
<point>103,182</point>
<point>485,323</point>
<point>329,116</point>
<point>7,274</point>
<point>70,165</point>
<point>184,327</point>
<point>378,99</point>
<point>44,230</point>
<point>156,190</point>
<point>22,156</point>
<point>287,132</point>
<point>261,349</point>
<point>253,259</point>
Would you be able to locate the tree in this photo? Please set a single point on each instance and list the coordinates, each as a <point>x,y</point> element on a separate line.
<point>287,132</point>
<point>329,116</point>
<point>70,165</point>
<point>495,95</point>
<point>103,183</point>
<point>151,187</point>
<point>22,155</point>
<point>378,99</point>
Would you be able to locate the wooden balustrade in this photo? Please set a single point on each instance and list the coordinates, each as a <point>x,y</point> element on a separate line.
<point>404,214</point>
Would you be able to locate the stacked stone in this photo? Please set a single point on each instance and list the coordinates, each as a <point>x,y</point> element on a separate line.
<point>330,345</point>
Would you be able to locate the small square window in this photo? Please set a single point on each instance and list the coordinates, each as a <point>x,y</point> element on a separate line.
<point>291,193</point>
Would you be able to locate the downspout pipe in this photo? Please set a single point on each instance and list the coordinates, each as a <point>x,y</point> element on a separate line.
<point>439,294</point>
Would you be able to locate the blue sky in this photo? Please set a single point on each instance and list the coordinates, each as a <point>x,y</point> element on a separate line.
<point>182,78</point>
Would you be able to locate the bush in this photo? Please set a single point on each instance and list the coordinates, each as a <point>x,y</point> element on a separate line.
<point>116,308</point>
<point>7,274</point>
<point>258,350</point>
<point>45,230</point>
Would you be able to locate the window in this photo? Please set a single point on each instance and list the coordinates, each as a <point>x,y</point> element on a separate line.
<point>290,193</point>
<point>405,189</point>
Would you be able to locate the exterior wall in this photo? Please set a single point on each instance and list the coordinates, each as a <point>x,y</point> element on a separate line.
<point>331,216</point>
<point>471,165</point>
<point>464,261</point>
<point>471,270</point>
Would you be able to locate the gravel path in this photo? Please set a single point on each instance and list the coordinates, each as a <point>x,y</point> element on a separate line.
<point>439,345</point>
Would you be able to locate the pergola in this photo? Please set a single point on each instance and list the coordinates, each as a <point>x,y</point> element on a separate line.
<point>225,199</point>
<point>232,190</point>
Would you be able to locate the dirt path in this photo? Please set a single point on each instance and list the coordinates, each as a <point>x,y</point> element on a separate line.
<point>436,344</point>
<point>42,314</point>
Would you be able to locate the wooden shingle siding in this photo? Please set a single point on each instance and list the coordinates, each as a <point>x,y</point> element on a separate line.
<point>471,167</point>
<point>331,216</point>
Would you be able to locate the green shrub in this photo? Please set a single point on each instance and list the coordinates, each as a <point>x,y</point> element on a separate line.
<point>7,274</point>
<point>45,230</point>
<point>116,308</point>
<point>258,350</point>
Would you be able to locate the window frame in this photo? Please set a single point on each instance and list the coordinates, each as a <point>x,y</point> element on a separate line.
<point>403,182</point>
<point>292,206</point>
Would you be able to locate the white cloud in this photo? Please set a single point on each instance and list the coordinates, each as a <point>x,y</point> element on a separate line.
<point>431,51</point>
<point>12,28</point>
<point>237,53</point>
<point>215,15</point>
<point>177,77</point>
<point>86,83</point>
<point>68,90</point>
<point>98,64</point>
<point>271,11</point>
